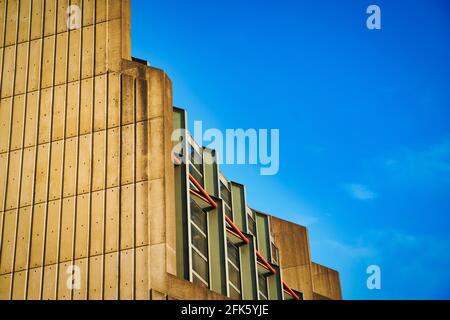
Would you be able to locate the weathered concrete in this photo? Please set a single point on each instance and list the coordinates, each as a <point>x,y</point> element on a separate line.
<point>86,172</point>
<point>298,270</point>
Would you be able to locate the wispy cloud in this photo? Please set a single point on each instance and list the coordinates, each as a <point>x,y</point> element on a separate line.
<point>426,163</point>
<point>413,266</point>
<point>388,242</point>
<point>360,192</point>
<point>428,245</point>
<point>306,220</point>
<point>350,250</point>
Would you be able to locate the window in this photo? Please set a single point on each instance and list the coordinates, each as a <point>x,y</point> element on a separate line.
<point>228,212</point>
<point>234,275</point>
<point>197,176</point>
<point>196,161</point>
<point>225,194</point>
<point>198,216</point>
<point>196,164</point>
<point>275,254</point>
<point>234,271</point>
<point>199,241</point>
<point>233,254</point>
<point>200,267</point>
<point>251,225</point>
<point>199,281</point>
<point>263,291</point>
<point>234,294</point>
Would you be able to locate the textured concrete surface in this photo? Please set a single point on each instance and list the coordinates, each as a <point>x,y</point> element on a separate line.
<point>312,279</point>
<point>86,176</point>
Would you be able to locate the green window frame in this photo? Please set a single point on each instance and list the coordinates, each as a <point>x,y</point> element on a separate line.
<point>199,245</point>
<point>234,271</point>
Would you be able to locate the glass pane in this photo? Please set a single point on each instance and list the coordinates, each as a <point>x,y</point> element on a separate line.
<point>228,213</point>
<point>225,194</point>
<point>262,281</point>
<point>234,294</point>
<point>275,254</point>
<point>196,175</point>
<point>198,216</point>
<point>251,225</point>
<point>198,281</point>
<point>233,253</point>
<point>196,159</point>
<point>200,266</point>
<point>261,297</point>
<point>234,276</point>
<point>199,241</point>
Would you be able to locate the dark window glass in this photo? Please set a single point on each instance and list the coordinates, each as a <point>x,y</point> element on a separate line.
<point>261,297</point>
<point>275,257</point>
<point>251,225</point>
<point>262,281</point>
<point>196,159</point>
<point>234,276</point>
<point>199,241</point>
<point>196,175</point>
<point>233,253</point>
<point>198,216</point>
<point>228,212</point>
<point>234,294</point>
<point>225,194</point>
<point>200,266</point>
<point>198,281</point>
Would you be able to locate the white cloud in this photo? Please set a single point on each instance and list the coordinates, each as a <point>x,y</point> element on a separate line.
<point>360,192</point>
<point>429,246</point>
<point>350,250</point>
<point>305,219</point>
<point>428,163</point>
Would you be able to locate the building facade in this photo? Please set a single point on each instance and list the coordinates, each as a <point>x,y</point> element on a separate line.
<point>93,203</point>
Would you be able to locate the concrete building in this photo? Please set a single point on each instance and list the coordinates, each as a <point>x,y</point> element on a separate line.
<point>92,205</point>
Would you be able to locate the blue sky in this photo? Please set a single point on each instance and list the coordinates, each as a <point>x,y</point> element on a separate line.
<point>363,118</point>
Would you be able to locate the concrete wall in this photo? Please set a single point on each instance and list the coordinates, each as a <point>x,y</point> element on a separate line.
<point>184,290</point>
<point>313,280</point>
<point>295,258</point>
<point>86,177</point>
<point>326,282</point>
